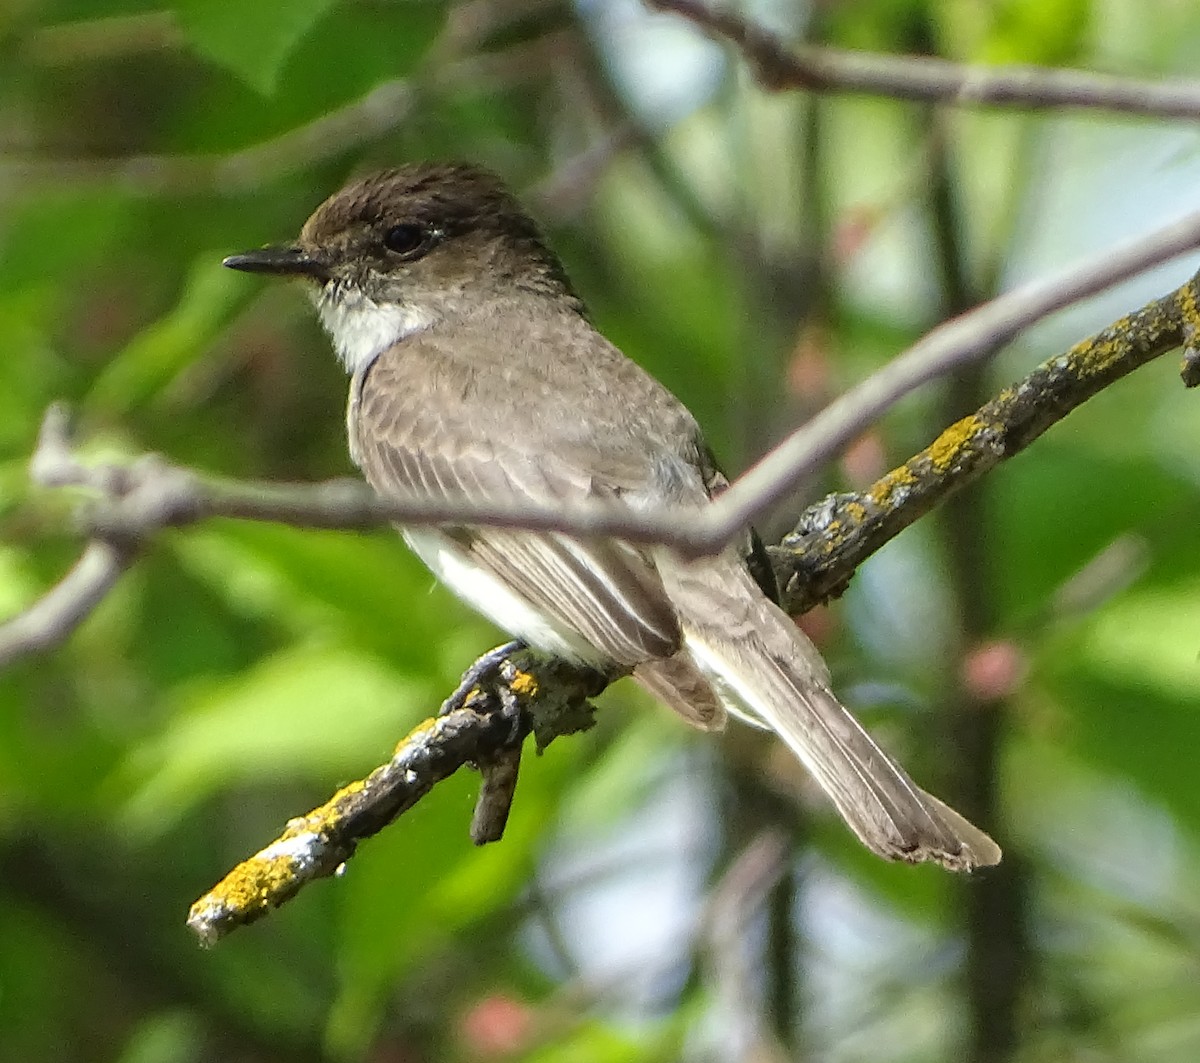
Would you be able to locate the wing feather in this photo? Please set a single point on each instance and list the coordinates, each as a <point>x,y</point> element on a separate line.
<point>608,592</point>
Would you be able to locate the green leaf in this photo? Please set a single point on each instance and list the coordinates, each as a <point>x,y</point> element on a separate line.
<point>1149,639</point>
<point>593,1041</point>
<point>317,711</point>
<point>18,586</point>
<point>159,352</point>
<point>164,1037</point>
<point>253,40</point>
<point>369,589</point>
<point>1036,548</point>
<point>1128,680</point>
<point>357,48</point>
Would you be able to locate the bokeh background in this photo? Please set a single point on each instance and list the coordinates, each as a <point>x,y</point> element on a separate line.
<point>1032,652</point>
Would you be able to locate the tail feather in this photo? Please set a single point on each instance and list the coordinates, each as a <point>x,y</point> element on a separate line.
<point>758,660</point>
<point>680,685</point>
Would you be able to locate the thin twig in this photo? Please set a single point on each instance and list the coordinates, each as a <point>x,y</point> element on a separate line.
<point>134,501</point>
<point>957,342</point>
<point>58,612</point>
<point>67,604</point>
<point>735,903</point>
<point>779,66</point>
<point>161,495</point>
<point>105,38</point>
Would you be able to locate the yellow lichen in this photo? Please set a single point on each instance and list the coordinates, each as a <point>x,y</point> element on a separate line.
<point>1188,307</point>
<point>421,729</point>
<point>349,790</point>
<point>882,489</point>
<point>251,885</point>
<point>330,813</point>
<point>1097,357</point>
<point>943,450</point>
<point>523,684</point>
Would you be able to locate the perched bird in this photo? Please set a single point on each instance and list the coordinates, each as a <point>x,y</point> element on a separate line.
<point>477,376</point>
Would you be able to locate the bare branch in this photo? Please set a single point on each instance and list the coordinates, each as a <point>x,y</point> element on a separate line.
<point>734,905</point>
<point>136,500</point>
<point>778,66</point>
<point>62,609</point>
<point>152,494</point>
<point>105,38</point>
<point>54,616</point>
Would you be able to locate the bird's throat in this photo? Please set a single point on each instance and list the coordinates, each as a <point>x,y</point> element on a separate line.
<point>362,329</point>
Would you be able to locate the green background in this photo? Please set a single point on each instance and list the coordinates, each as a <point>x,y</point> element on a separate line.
<point>758,252</point>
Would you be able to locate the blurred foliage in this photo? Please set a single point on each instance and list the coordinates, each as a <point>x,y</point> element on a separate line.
<point>757,253</point>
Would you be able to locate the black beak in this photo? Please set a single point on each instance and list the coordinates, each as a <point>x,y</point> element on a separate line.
<point>287,261</point>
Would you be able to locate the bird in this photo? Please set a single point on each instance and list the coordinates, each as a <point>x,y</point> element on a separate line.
<point>477,377</point>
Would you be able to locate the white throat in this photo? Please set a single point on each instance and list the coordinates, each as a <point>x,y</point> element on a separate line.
<point>362,329</point>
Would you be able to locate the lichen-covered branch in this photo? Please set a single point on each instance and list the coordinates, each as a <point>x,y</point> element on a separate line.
<point>833,537</point>
<point>131,502</point>
<point>511,690</point>
<point>514,691</point>
<point>506,695</point>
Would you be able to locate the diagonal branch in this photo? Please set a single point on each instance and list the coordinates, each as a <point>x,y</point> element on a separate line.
<point>379,111</point>
<point>508,694</point>
<point>130,503</point>
<point>968,338</point>
<point>513,684</point>
<point>513,690</point>
<point>922,78</point>
<point>833,537</point>
<point>54,616</point>
<point>137,500</point>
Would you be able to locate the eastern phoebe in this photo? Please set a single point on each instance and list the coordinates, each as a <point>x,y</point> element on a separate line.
<point>476,375</point>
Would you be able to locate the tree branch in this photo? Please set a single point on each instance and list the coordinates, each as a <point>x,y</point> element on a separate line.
<point>957,342</point>
<point>505,696</point>
<point>135,501</point>
<point>514,690</point>
<point>833,537</point>
<point>65,606</point>
<point>379,111</point>
<point>132,502</point>
<point>777,66</point>
<point>55,615</point>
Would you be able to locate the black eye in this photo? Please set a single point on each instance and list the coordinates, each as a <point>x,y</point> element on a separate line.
<point>407,240</point>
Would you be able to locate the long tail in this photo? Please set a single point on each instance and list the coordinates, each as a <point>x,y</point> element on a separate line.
<point>762,665</point>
